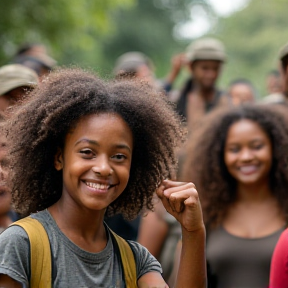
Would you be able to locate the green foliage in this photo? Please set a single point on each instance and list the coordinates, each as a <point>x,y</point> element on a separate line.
<point>68,27</point>
<point>147,27</point>
<point>253,38</point>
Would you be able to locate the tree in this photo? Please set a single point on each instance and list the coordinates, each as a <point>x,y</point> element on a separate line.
<point>147,27</point>
<point>66,27</point>
<point>253,38</point>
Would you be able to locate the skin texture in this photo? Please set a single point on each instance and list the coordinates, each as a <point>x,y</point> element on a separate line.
<point>206,73</point>
<point>241,93</point>
<point>248,153</point>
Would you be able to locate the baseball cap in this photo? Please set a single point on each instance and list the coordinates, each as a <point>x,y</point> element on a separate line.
<point>15,75</point>
<point>283,51</point>
<point>130,61</point>
<point>206,49</point>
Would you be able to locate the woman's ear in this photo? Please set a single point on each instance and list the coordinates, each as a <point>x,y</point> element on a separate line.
<point>58,160</point>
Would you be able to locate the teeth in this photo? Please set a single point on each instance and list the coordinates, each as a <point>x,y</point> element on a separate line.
<point>248,169</point>
<point>97,186</point>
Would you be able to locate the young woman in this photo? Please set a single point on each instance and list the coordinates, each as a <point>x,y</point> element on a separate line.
<point>238,162</point>
<point>81,146</point>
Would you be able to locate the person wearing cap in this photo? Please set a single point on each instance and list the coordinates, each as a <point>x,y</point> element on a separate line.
<point>134,64</point>
<point>204,58</point>
<point>35,57</point>
<point>15,80</point>
<point>282,96</point>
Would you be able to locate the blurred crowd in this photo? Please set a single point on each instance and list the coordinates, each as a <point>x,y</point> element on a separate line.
<point>236,153</point>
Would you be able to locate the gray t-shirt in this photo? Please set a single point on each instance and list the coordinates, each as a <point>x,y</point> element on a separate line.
<point>71,265</point>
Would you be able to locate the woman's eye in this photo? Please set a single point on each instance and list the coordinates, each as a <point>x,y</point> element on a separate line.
<point>233,149</point>
<point>258,147</point>
<point>119,157</point>
<point>86,153</point>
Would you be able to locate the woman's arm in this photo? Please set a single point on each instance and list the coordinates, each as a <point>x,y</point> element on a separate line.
<point>182,201</point>
<point>7,282</point>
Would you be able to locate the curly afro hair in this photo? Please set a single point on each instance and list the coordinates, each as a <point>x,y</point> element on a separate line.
<point>38,127</point>
<point>204,158</point>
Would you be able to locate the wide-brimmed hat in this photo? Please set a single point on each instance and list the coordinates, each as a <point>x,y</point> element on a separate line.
<point>15,75</point>
<point>206,49</point>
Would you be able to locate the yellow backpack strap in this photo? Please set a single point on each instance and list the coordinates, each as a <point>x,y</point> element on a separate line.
<point>128,261</point>
<point>40,253</point>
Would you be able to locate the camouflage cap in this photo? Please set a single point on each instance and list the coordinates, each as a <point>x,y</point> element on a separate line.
<point>206,49</point>
<point>283,51</point>
<point>15,75</point>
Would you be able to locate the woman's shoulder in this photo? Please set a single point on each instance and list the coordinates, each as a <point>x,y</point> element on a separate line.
<point>145,261</point>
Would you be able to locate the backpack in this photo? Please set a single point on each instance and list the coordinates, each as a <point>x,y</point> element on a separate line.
<point>40,255</point>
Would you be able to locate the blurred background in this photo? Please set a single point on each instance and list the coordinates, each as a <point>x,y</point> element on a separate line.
<point>94,33</point>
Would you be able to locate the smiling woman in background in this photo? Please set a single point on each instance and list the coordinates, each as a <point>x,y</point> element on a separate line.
<point>237,162</point>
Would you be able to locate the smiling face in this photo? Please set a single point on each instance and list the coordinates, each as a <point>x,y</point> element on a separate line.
<point>206,72</point>
<point>96,161</point>
<point>248,152</point>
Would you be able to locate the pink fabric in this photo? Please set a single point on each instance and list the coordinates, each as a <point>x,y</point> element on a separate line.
<point>279,263</point>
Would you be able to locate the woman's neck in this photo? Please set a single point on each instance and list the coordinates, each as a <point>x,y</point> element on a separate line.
<point>256,192</point>
<point>5,220</point>
<point>79,222</point>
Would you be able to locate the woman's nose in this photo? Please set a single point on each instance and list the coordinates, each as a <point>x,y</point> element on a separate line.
<point>102,166</point>
<point>246,155</point>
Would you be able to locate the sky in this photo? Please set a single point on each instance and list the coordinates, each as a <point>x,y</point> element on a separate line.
<point>201,22</point>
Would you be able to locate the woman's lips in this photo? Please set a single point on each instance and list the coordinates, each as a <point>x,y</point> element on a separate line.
<point>249,169</point>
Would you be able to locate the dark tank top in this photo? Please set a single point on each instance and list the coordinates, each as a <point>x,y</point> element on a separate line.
<point>240,262</point>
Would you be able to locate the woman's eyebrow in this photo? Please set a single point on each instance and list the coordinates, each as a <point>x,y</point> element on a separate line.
<point>93,142</point>
<point>86,140</point>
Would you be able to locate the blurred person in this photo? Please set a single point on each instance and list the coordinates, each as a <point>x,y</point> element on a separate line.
<point>273,82</point>
<point>35,57</point>
<point>238,162</point>
<point>178,62</point>
<point>134,64</point>
<point>200,95</point>
<point>281,96</point>
<point>15,81</point>
<point>241,91</point>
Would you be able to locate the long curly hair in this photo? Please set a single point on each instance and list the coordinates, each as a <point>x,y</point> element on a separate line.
<point>38,127</point>
<point>204,158</point>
